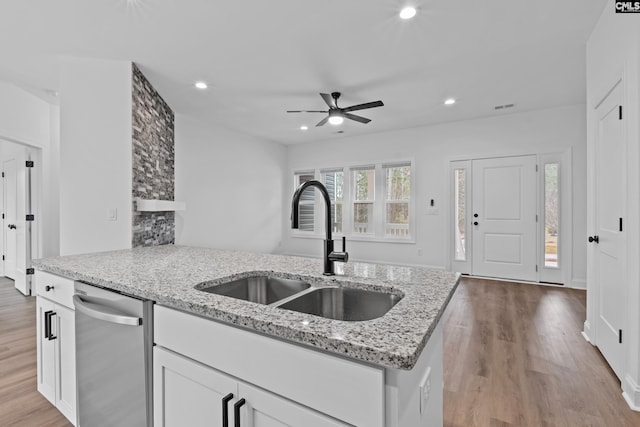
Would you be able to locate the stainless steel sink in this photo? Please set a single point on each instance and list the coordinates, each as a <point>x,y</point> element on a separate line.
<point>350,304</point>
<point>259,289</point>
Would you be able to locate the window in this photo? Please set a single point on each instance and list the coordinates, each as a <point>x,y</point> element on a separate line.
<point>459,183</point>
<point>373,202</point>
<point>551,215</point>
<point>307,202</point>
<point>397,197</point>
<point>363,199</point>
<point>334,181</point>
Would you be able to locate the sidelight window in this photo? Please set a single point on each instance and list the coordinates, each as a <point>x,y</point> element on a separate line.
<point>551,215</point>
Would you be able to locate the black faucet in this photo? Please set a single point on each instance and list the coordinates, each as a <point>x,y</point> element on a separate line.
<point>329,255</point>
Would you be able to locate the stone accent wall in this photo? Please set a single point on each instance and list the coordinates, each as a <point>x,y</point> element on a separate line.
<point>153,162</point>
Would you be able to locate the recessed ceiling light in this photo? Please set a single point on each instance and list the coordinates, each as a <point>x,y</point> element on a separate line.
<point>201,85</point>
<point>449,101</point>
<point>408,12</point>
<point>304,127</point>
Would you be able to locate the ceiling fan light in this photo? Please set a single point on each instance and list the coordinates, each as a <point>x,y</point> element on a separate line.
<point>336,120</point>
<point>408,12</point>
<point>450,101</point>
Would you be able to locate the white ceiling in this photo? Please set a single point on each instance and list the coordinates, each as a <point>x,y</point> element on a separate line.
<point>262,57</point>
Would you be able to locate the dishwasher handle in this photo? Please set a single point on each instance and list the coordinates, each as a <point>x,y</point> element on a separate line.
<point>104,313</point>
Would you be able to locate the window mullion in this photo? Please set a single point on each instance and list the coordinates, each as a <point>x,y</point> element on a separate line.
<point>347,203</point>
<point>379,204</point>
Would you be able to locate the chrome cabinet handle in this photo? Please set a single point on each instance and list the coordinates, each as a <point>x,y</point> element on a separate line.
<point>225,409</point>
<point>104,313</point>
<point>236,412</point>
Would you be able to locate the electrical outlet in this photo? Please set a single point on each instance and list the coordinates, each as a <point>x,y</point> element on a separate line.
<point>425,390</point>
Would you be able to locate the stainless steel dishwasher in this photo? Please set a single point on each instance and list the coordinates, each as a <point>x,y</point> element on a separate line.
<point>114,340</point>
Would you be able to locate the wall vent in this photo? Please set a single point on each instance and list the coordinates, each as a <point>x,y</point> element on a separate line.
<point>504,107</point>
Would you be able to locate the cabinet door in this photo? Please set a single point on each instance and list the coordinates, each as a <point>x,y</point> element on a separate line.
<point>65,333</point>
<point>187,393</point>
<point>46,350</point>
<point>264,409</point>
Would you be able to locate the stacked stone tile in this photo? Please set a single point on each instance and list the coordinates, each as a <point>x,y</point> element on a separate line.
<point>153,162</point>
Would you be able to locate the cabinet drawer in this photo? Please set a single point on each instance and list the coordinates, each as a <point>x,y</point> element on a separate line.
<point>60,288</point>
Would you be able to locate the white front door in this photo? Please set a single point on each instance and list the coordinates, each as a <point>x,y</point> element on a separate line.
<point>504,218</point>
<point>609,242</point>
<point>10,218</point>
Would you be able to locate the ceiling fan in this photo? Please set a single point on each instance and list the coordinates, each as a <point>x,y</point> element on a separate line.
<point>336,115</point>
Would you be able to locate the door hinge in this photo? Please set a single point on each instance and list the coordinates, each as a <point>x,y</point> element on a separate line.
<point>619,336</point>
<point>30,217</point>
<point>3,174</point>
<point>536,217</point>
<point>620,224</point>
<point>29,163</point>
<point>2,216</point>
<point>31,270</point>
<point>536,267</point>
<point>3,257</point>
<point>536,168</point>
<point>619,112</point>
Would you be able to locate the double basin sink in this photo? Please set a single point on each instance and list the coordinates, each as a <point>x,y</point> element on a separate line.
<point>339,303</point>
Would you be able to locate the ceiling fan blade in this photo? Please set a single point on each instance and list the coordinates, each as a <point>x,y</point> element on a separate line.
<point>363,106</point>
<point>357,118</point>
<point>323,121</point>
<point>306,111</point>
<point>328,99</point>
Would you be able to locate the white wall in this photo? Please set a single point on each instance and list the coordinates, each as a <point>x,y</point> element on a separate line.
<point>232,185</point>
<point>28,120</point>
<point>432,147</point>
<point>613,51</point>
<point>95,155</point>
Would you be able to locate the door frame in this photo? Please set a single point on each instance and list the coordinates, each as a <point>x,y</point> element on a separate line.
<point>564,160</point>
<point>33,153</point>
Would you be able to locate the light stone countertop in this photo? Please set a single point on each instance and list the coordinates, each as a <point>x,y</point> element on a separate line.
<point>167,275</point>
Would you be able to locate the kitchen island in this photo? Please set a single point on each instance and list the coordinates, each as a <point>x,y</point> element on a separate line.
<point>386,371</point>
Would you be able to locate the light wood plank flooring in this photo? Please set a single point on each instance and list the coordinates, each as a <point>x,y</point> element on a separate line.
<point>513,356</point>
<point>20,403</point>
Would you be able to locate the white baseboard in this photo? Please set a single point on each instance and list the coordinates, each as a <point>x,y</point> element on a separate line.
<point>578,284</point>
<point>631,393</point>
<point>586,332</point>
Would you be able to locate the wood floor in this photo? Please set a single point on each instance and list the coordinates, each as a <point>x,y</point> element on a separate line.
<point>20,403</point>
<point>513,356</point>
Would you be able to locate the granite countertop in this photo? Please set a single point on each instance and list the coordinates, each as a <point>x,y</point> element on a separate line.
<point>167,275</point>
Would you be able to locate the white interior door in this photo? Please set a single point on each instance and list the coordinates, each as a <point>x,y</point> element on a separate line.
<point>504,218</point>
<point>10,217</point>
<point>610,205</point>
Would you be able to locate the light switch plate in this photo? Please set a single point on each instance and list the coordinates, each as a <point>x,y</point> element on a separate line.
<point>112,214</point>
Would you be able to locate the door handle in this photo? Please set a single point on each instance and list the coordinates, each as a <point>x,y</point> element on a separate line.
<point>11,226</point>
<point>47,323</point>
<point>104,313</point>
<point>225,409</point>
<point>236,412</point>
<point>595,239</point>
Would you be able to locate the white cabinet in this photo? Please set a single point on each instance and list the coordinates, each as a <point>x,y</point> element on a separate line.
<point>55,330</point>
<point>189,393</point>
